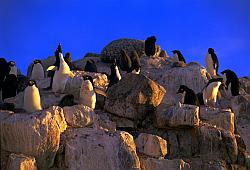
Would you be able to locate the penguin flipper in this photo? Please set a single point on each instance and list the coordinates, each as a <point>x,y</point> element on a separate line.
<point>52,68</point>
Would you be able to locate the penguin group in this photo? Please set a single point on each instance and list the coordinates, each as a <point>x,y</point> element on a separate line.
<point>128,62</point>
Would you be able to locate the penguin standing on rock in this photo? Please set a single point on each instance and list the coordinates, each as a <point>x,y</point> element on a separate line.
<point>178,57</point>
<point>189,97</point>
<point>68,60</point>
<point>130,64</point>
<point>136,63</point>
<point>37,71</point>
<point>90,66</point>
<point>13,69</point>
<point>125,61</point>
<point>4,71</point>
<point>32,101</point>
<point>212,63</point>
<point>150,47</point>
<point>115,75</point>
<point>87,92</point>
<point>9,88</point>
<point>61,75</point>
<point>210,91</point>
<point>232,82</point>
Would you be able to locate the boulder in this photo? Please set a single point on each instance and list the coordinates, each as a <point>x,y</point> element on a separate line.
<point>245,84</point>
<point>36,134</point>
<point>79,116</point>
<point>177,115</point>
<point>220,118</point>
<point>134,97</point>
<point>113,49</point>
<point>22,162</point>
<point>151,145</point>
<point>160,164</point>
<point>86,148</point>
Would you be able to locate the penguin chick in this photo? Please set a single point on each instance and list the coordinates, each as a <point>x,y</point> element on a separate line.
<point>188,95</point>
<point>32,101</point>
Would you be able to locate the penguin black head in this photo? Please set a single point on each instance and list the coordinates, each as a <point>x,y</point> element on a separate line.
<point>210,50</point>
<point>176,52</point>
<point>68,57</point>
<point>37,61</point>
<point>150,48</point>
<point>215,80</point>
<point>31,83</point>
<point>12,63</point>
<point>182,89</point>
<point>151,39</point>
<point>86,77</point>
<point>180,56</point>
<point>228,72</point>
<point>59,48</point>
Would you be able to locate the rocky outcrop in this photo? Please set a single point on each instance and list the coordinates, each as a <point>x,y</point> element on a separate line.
<point>159,164</point>
<point>22,162</point>
<point>36,134</point>
<point>134,96</point>
<point>245,84</point>
<point>217,117</point>
<point>85,148</point>
<point>151,145</point>
<point>79,116</point>
<point>176,116</point>
<point>113,49</point>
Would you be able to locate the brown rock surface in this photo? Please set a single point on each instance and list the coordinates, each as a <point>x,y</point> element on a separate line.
<point>21,162</point>
<point>134,96</point>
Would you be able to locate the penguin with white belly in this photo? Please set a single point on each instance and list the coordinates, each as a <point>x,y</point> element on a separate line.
<point>32,101</point>
<point>115,75</point>
<point>61,75</point>
<point>212,63</point>
<point>178,57</point>
<point>13,68</point>
<point>232,82</point>
<point>210,91</point>
<point>37,71</point>
<point>87,92</point>
<point>189,97</point>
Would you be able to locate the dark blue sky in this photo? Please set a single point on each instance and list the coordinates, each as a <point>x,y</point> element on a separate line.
<point>31,29</point>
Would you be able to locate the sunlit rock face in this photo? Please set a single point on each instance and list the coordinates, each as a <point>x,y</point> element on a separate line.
<point>22,162</point>
<point>86,148</point>
<point>134,96</point>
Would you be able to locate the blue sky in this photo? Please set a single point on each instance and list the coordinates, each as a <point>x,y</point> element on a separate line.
<point>31,29</point>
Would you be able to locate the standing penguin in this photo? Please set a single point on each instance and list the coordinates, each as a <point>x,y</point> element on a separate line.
<point>150,48</point>
<point>61,76</point>
<point>178,57</point>
<point>87,93</point>
<point>32,101</point>
<point>115,75</point>
<point>37,71</point>
<point>90,66</point>
<point>210,91</point>
<point>232,82</point>
<point>4,70</point>
<point>9,88</point>
<point>13,69</point>
<point>125,61</point>
<point>136,63</point>
<point>212,63</point>
<point>68,60</point>
<point>189,96</point>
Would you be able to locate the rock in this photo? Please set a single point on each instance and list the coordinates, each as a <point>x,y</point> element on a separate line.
<point>79,116</point>
<point>103,121</point>
<point>174,116</point>
<point>123,122</point>
<point>134,97</point>
<point>245,84</point>
<point>113,49</point>
<point>220,118</point>
<point>151,145</point>
<point>198,164</point>
<point>160,164</point>
<point>22,162</point>
<point>36,134</point>
<point>86,148</point>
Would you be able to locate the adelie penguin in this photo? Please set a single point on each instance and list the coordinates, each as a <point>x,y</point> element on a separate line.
<point>210,92</point>
<point>212,63</point>
<point>115,75</point>
<point>4,71</point>
<point>13,68</point>
<point>232,82</point>
<point>90,66</point>
<point>9,88</point>
<point>32,101</point>
<point>130,64</point>
<point>178,57</point>
<point>61,75</point>
<point>150,47</point>
<point>37,71</point>
<point>68,60</point>
<point>189,97</point>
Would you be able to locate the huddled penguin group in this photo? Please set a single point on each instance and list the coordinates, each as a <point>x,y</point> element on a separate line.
<point>128,62</point>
